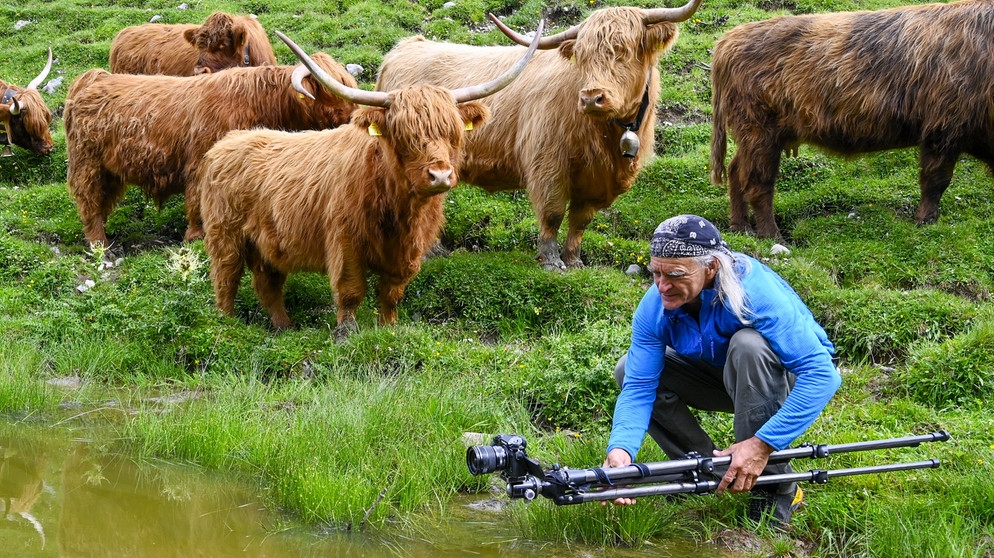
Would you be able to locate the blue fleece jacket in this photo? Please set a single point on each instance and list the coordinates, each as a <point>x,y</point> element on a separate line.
<point>777,313</point>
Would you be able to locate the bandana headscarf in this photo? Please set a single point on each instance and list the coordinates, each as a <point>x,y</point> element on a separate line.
<point>686,236</point>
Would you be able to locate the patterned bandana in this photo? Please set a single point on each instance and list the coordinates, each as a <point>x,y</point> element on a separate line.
<point>686,236</point>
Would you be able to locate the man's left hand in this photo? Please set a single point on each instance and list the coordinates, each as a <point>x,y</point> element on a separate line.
<point>749,458</point>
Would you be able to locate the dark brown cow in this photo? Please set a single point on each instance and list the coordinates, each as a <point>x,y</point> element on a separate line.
<point>223,41</point>
<point>557,131</point>
<point>153,130</point>
<point>364,198</point>
<point>24,116</point>
<point>853,83</point>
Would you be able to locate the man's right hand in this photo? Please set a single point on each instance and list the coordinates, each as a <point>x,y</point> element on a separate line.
<point>618,458</point>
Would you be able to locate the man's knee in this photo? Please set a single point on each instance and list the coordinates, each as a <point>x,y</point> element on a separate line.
<point>748,347</point>
<point>752,362</point>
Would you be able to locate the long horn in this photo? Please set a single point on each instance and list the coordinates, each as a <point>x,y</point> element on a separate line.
<point>357,96</point>
<point>44,73</point>
<point>547,43</point>
<point>464,94</point>
<point>656,15</point>
<point>297,79</point>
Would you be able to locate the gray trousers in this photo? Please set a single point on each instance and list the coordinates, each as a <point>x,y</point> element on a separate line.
<point>753,385</point>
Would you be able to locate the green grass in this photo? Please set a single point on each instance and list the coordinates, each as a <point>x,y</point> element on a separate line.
<point>487,341</point>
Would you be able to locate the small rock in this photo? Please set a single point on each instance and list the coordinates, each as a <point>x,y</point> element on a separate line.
<point>475,439</point>
<point>70,382</point>
<point>852,215</point>
<point>779,249</point>
<point>182,6</point>
<point>155,18</point>
<point>354,69</point>
<point>449,5</point>
<point>20,24</point>
<point>634,269</point>
<point>52,85</point>
<point>87,285</point>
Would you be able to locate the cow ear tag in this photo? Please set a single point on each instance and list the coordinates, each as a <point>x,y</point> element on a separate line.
<point>469,126</point>
<point>374,130</point>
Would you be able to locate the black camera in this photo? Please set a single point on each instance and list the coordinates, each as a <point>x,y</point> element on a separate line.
<point>507,455</point>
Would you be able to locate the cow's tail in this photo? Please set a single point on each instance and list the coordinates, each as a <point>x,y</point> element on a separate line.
<point>719,139</point>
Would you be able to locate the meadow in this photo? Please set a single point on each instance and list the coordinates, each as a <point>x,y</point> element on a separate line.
<point>355,434</point>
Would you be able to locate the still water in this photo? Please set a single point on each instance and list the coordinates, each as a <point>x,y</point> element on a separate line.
<point>63,493</point>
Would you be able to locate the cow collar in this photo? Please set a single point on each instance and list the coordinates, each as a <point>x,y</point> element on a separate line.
<point>7,96</point>
<point>629,139</point>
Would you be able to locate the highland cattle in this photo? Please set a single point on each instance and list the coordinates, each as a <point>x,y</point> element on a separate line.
<point>574,129</point>
<point>152,131</point>
<point>852,83</point>
<point>365,198</point>
<point>24,116</point>
<point>223,41</point>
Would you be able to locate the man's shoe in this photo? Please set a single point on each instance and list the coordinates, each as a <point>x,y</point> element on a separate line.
<point>778,506</point>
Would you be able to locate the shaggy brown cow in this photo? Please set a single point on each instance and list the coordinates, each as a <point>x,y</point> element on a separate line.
<point>223,41</point>
<point>153,130</point>
<point>364,198</point>
<point>558,130</point>
<point>25,117</point>
<point>853,83</point>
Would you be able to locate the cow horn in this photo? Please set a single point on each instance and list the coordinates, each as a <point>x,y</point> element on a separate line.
<point>44,73</point>
<point>15,107</point>
<point>357,96</point>
<point>547,43</point>
<point>297,80</point>
<point>656,15</point>
<point>464,94</point>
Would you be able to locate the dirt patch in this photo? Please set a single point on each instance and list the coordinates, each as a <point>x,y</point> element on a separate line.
<point>679,114</point>
<point>749,543</point>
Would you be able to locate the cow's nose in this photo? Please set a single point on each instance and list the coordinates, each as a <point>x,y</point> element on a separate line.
<point>591,99</point>
<point>441,177</point>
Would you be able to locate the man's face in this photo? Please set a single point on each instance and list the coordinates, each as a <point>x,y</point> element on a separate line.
<point>679,280</point>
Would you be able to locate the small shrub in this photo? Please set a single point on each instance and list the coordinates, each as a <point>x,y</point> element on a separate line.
<point>956,372</point>
<point>879,325</point>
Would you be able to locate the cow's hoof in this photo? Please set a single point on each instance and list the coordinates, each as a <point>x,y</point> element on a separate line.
<point>574,263</point>
<point>553,263</point>
<point>344,330</point>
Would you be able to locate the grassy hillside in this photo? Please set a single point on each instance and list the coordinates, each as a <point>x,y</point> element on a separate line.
<point>487,341</point>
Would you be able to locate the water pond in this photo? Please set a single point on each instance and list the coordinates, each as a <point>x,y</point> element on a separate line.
<point>64,493</point>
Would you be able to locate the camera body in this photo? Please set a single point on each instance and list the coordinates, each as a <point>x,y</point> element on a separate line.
<point>507,455</point>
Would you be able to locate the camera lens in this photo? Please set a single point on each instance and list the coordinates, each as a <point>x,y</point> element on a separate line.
<point>482,460</point>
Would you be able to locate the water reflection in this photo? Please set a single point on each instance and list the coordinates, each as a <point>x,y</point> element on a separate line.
<point>67,495</point>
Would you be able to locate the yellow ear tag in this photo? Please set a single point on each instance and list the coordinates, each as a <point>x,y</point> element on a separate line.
<point>469,126</point>
<point>374,130</point>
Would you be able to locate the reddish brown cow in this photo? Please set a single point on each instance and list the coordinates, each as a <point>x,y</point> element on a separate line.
<point>24,115</point>
<point>853,83</point>
<point>364,198</point>
<point>223,41</point>
<point>153,130</point>
<point>558,130</point>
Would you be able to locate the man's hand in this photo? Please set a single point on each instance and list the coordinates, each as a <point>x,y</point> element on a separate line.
<point>749,457</point>
<point>618,458</point>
